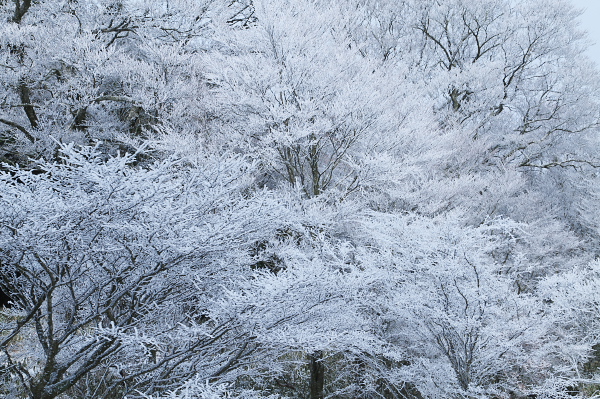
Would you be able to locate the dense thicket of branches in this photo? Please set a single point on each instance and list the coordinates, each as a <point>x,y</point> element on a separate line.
<point>298,198</point>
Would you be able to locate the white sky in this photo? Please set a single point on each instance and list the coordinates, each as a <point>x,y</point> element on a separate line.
<point>590,21</point>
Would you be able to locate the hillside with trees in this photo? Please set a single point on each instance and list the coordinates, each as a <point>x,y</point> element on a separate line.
<point>310,199</point>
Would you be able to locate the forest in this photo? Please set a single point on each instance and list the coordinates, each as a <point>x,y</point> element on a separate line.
<point>312,199</point>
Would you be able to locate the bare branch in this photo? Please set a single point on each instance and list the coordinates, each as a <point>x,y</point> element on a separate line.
<point>19,127</point>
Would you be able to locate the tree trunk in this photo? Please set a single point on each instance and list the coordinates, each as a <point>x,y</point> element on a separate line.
<point>360,371</point>
<point>317,375</point>
<point>24,94</point>
<point>20,10</point>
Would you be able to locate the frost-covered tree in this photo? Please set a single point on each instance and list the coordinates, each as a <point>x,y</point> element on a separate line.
<point>462,324</point>
<point>115,71</point>
<point>112,269</point>
<point>291,90</point>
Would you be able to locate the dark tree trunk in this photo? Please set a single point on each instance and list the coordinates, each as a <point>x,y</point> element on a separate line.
<point>360,370</point>
<point>20,10</point>
<point>317,375</point>
<point>24,94</point>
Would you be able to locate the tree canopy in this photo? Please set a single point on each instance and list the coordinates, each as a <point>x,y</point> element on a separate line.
<point>298,198</point>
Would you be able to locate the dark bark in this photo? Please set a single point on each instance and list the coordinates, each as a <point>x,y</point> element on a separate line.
<point>317,375</point>
<point>24,94</point>
<point>79,121</point>
<point>21,8</point>
<point>19,127</point>
<point>359,370</point>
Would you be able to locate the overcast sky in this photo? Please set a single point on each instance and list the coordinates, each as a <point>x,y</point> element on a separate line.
<point>591,22</point>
